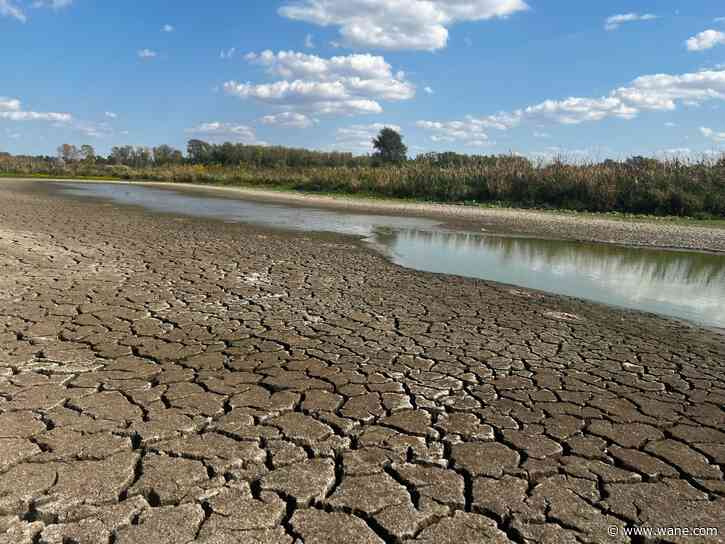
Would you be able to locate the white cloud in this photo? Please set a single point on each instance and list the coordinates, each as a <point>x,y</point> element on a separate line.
<point>228,53</point>
<point>471,130</point>
<point>9,104</point>
<point>670,124</point>
<point>615,21</point>
<point>93,130</point>
<point>147,54</point>
<point>54,4</point>
<point>9,9</point>
<point>397,24</point>
<point>717,137</point>
<point>217,130</point>
<point>11,110</point>
<point>359,67</point>
<point>167,28</point>
<point>359,138</point>
<point>309,41</point>
<point>346,85</point>
<point>429,90</point>
<point>705,40</point>
<point>34,116</point>
<point>658,92</point>
<point>111,115</point>
<point>468,131</point>
<point>662,91</point>
<point>573,111</point>
<point>289,119</point>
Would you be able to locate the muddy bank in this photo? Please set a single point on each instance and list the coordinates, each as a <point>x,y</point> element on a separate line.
<point>168,379</point>
<point>659,234</point>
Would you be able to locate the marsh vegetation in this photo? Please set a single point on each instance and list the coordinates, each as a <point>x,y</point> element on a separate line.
<point>640,185</point>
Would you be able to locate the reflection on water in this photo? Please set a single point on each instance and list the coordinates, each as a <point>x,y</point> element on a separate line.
<point>686,285</point>
<point>681,284</point>
<point>228,208</point>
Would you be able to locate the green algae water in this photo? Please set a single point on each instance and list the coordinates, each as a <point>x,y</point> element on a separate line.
<point>681,284</point>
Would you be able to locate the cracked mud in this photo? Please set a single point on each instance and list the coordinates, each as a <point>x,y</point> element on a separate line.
<point>173,380</point>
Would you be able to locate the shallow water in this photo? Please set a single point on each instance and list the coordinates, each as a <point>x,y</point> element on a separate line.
<point>686,285</point>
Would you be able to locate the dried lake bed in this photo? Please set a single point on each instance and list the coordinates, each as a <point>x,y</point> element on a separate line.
<point>175,378</point>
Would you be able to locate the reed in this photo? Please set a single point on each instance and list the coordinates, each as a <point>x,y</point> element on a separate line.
<point>637,185</point>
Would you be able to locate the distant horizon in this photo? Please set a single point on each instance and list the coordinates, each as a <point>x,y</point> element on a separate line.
<point>481,77</point>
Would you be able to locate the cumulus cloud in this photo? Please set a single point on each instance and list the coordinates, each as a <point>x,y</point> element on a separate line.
<point>167,28</point>
<point>11,110</point>
<point>663,91</point>
<point>9,104</point>
<point>616,21</point>
<point>346,85</point>
<point>471,131</point>
<point>573,111</point>
<point>658,92</point>
<point>9,9</point>
<point>394,24</point>
<point>289,119</point>
<point>224,131</point>
<point>309,41</point>
<point>429,90</point>
<point>147,54</point>
<point>359,138</point>
<point>111,115</point>
<point>710,134</point>
<point>705,40</point>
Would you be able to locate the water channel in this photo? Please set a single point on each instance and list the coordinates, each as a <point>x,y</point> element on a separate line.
<point>681,284</point>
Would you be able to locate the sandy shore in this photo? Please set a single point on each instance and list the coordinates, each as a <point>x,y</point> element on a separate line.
<point>659,234</point>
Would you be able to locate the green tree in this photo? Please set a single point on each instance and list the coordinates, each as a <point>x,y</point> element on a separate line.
<point>88,153</point>
<point>68,153</point>
<point>165,154</point>
<point>141,157</point>
<point>198,151</point>
<point>121,155</point>
<point>389,146</point>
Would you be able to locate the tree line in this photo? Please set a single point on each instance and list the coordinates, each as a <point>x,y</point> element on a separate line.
<point>388,145</point>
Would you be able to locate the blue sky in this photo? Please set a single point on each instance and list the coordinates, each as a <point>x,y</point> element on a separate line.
<point>538,77</point>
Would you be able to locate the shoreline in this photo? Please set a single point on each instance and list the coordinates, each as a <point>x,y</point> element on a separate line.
<point>634,232</point>
<point>367,243</point>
